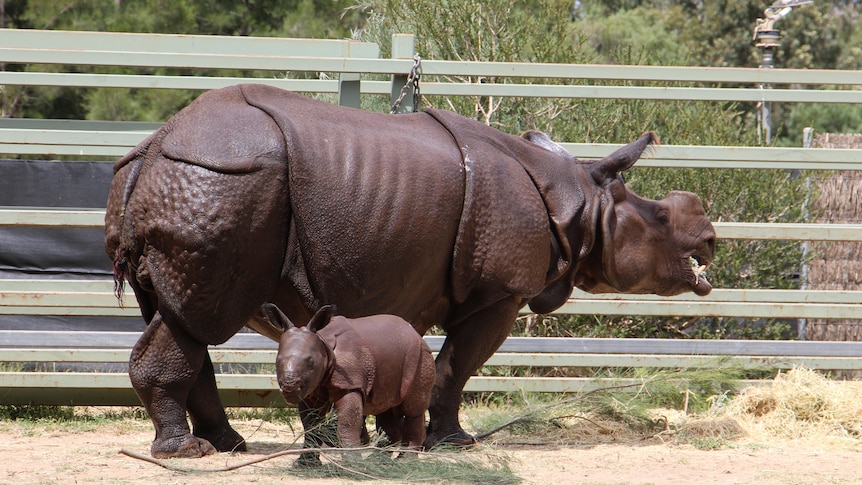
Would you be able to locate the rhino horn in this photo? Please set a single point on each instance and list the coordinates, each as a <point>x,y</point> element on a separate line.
<point>276,316</point>
<point>622,159</point>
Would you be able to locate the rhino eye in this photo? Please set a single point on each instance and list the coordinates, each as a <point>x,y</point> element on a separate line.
<point>309,362</point>
<point>662,217</point>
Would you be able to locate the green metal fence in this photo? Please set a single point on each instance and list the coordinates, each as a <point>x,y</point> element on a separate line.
<point>53,386</point>
<point>350,61</point>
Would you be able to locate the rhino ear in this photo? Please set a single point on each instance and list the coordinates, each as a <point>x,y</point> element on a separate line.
<point>276,317</point>
<point>321,318</point>
<point>622,159</point>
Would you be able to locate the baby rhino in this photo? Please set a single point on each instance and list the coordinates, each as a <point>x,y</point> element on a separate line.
<point>376,365</point>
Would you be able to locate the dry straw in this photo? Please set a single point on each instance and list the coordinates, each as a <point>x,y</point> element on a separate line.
<point>801,404</point>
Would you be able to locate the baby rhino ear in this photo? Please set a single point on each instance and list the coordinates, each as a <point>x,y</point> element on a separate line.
<point>276,317</point>
<point>321,318</point>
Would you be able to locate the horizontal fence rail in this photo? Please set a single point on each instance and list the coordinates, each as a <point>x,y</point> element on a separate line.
<point>218,52</point>
<point>26,46</point>
<point>56,137</point>
<point>434,88</point>
<point>94,48</point>
<point>259,388</point>
<point>95,219</point>
<point>88,367</point>
<point>96,297</point>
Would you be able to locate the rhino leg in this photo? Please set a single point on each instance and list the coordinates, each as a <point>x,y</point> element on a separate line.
<point>391,423</point>
<point>351,420</point>
<point>208,418</point>
<point>317,433</point>
<point>409,416</point>
<point>413,431</point>
<point>164,366</point>
<point>467,346</point>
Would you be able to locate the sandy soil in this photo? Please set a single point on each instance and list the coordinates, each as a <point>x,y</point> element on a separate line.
<point>62,454</point>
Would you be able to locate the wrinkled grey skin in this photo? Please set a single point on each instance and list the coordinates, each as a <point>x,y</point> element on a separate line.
<point>253,194</point>
<point>376,365</point>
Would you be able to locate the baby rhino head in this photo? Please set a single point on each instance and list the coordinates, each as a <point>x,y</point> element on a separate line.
<point>303,359</point>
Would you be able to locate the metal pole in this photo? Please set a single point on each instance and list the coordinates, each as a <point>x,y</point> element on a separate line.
<point>767,37</point>
<point>767,62</point>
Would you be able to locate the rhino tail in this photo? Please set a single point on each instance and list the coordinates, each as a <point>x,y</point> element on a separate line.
<point>121,264</point>
<point>122,252</point>
<point>139,160</point>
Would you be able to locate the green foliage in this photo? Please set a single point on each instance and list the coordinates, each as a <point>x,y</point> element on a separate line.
<point>706,33</point>
<point>681,389</point>
<point>15,412</point>
<point>68,418</point>
<point>825,118</point>
<point>295,18</point>
<point>285,415</point>
<point>708,443</point>
<point>692,390</point>
<point>821,35</point>
<point>498,31</point>
<point>438,466</point>
<point>305,18</point>
<point>609,326</point>
<point>644,29</point>
<point>505,32</point>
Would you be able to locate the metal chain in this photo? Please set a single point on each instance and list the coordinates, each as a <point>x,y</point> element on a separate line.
<point>412,82</point>
<point>417,69</point>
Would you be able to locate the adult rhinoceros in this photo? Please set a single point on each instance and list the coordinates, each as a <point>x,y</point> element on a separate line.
<point>253,194</point>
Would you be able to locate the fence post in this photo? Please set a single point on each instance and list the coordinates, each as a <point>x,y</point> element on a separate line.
<point>348,89</point>
<point>403,46</point>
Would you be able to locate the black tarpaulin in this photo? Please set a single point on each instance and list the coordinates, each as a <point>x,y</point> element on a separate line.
<point>56,253</point>
<point>43,252</point>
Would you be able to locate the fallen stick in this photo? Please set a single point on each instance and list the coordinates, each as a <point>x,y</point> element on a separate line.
<point>228,468</point>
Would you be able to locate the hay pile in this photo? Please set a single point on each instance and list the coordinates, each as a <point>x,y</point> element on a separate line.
<point>800,404</point>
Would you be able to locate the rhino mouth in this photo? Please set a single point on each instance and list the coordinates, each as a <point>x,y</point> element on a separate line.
<point>293,394</point>
<point>292,397</point>
<point>292,389</point>
<point>696,265</point>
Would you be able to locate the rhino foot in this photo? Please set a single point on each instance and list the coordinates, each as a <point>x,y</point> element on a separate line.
<point>224,440</point>
<point>457,438</point>
<point>308,459</point>
<point>187,446</point>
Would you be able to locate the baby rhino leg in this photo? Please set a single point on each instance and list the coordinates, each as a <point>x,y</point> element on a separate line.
<point>411,412</point>
<point>351,420</point>
<point>390,422</point>
<point>413,431</point>
<point>404,426</point>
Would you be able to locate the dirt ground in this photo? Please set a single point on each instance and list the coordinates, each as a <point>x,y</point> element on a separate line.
<point>60,454</point>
